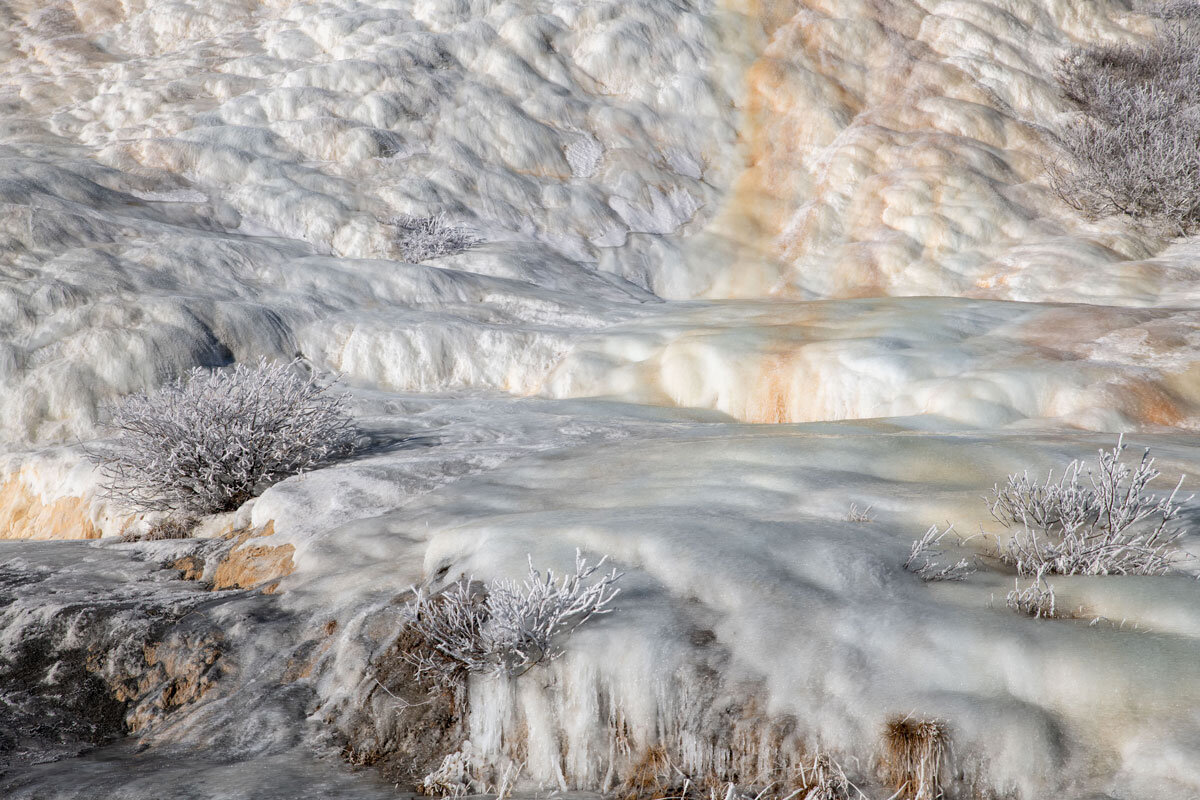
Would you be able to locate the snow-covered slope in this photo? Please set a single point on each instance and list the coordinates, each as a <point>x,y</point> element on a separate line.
<point>697,215</point>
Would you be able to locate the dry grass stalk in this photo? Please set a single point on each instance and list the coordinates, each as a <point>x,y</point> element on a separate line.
<point>862,515</point>
<point>825,780</point>
<point>172,527</point>
<point>914,754</point>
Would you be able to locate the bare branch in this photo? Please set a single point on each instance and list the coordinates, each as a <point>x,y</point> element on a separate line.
<point>923,559</point>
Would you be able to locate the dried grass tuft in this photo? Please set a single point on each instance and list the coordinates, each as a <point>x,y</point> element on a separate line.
<point>172,527</point>
<point>914,754</point>
<point>860,515</point>
<point>656,777</point>
<point>422,238</point>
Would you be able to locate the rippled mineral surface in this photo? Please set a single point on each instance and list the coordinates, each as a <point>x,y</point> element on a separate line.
<point>742,265</point>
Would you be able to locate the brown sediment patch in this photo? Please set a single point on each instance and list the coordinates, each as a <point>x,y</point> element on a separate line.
<point>248,566</point>
<point>177,672</point>
<point>771,132</point>
<point>303,662</point>
<point>402,725</point>
<point>25,515</point>
<point>1075,329</point>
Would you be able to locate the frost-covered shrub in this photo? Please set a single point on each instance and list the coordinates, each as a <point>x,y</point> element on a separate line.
<point>422,238</point>
<point>210,441</point>
<point>506,627</point>
<point>1170,9</point>
<point>1112,524</point>
<point>923,559</point>
<point>1135,149</point>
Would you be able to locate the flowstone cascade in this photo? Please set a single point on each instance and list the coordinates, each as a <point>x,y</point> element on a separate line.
<point>755,300</point>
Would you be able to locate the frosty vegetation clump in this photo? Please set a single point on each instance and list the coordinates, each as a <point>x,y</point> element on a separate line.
<point>422,238</point>
<point>452,778</point>
<point>1110,524</point>
<point>172,527</point>
<point>860,515</point>
<point>211,440</point>
<point>1036,599</point>
<point>824,780</point>
<point>505,628</point>
<point>924,559</point>
<point>1135,148</point>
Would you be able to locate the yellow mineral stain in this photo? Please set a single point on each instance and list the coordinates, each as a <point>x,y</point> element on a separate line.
<point>26,515</point>
<point>249,566</point>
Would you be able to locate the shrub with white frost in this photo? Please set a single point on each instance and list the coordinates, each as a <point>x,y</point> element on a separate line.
<point>211,440</point>
<point>1112,524</point>
<point>506,627</point>
<point>422,238</point>
<point>1135,147</point>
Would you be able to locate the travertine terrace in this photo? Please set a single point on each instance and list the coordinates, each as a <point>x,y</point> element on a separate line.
<point>743,264</point>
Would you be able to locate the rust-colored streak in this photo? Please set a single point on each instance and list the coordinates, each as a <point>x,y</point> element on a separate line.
<point>772,403</point>
<point>1148,402</point>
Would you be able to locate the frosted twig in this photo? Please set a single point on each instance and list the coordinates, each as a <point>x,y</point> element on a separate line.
<point>855,514</point>
<point>923,559</point>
